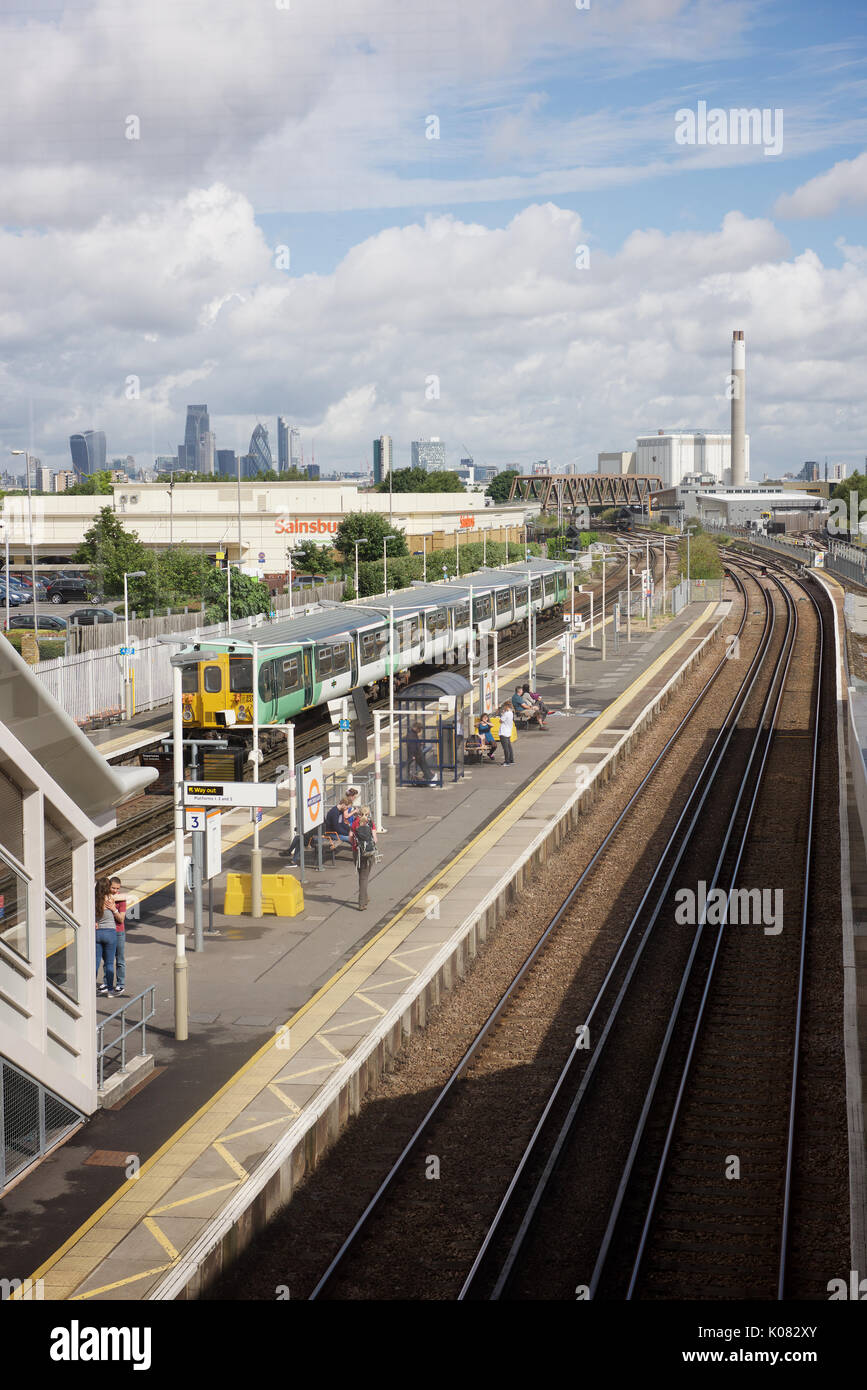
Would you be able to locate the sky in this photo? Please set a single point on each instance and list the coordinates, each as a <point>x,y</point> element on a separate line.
<point>521,226</point>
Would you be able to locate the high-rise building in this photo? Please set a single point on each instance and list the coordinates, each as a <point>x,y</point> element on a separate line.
<point>198,425</point>
<point>166,463</point>
<point>382,457</point>
<point>227,463</point>
<point>207,452</point>
<point>312,471</point>
<point>88,452</point>
<point>63,480</point>
<point>43,479</point>
<point>260,450</point>
<point>810,472</point>
<point>429,454</point>
<point>282,444</point>
<point>294,448</point>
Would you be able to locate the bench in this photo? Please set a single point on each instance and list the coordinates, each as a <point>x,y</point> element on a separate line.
<point>334,844</point>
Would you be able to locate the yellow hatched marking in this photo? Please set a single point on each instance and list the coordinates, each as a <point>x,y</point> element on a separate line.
<point>161,1237</point>
<point>253,1129</point>
<point>298,1075</point>
<point>232,1162</point>
<point>119,1283</point>
<point>330,1046</point>
<point>194,1197</point>
<point>293,1109</point>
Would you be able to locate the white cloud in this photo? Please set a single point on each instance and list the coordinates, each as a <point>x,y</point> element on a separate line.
<point>534,358</point>
<point>845,185</point>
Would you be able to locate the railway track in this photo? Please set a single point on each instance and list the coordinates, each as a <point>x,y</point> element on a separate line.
<point>493,1037</point>
<point>706,1004</point>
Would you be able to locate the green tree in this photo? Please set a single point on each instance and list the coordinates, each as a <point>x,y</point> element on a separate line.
<point>108,551</point>
<point>96,484</point>
<point>500,487</point>
<point>249,595</point>
<point>374,528</point>
<point>444,481</point>
<point>403,480</point>
<point>310,558</point>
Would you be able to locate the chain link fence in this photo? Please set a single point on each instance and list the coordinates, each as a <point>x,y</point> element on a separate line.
<point>32,1119</point>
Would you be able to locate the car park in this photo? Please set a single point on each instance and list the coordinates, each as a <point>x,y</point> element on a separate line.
<point>45,622</point>
<point>70,590</point>
<point>88,617</point>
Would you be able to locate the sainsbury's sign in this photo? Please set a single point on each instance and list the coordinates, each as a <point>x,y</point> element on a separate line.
<point>314,526</point>
<point>467,521</point>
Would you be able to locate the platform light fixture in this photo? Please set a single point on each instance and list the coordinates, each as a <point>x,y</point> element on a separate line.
<point>385,541</point>
<point>362,540</point>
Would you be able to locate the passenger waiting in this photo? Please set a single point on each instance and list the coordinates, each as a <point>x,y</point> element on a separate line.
<point>416,754</point>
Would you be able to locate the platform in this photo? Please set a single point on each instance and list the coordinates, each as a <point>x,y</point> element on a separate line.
<point>292,1020</point>
<point>130,735</point>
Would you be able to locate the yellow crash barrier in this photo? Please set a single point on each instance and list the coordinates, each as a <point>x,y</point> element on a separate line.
<point>282,894</point>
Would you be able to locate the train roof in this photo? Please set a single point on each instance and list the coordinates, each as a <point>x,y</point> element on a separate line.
<point>348,618</point>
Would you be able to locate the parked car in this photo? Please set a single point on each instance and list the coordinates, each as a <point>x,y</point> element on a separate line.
<point>14,597</point>
<point>87,617</point>
<point>70,591</point>
<point>45,622</point>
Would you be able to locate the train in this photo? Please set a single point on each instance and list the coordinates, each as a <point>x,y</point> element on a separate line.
<point>307,661</point>
<point>625,520</point>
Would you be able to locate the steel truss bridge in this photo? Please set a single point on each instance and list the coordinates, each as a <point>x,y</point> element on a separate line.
<point>567,490</point>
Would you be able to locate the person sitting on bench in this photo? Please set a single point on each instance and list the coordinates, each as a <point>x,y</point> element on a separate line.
<point>415,754</point>
<point>531,709</point>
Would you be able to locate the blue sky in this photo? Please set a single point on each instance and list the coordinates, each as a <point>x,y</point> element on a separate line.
<point>138,268</point>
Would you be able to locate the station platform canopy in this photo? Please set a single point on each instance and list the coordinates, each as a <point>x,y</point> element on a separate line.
<point>43,728</point>
<point>449,683</point>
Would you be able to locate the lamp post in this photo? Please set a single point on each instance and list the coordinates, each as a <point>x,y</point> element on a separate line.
<point>385,541</point>
<point>256,852</point>
<point>362,540</point>
<point>6,578</point>
<point>289,558</point>
<point>690,531</point>
<point>229,591</point>
<point>30,524</point>
<point>485,530</point>
<point>628,593</point>
<point>127,684</point>
<point>425,535</point>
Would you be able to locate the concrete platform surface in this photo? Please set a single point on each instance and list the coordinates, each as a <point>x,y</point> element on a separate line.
<point>280,1007</point>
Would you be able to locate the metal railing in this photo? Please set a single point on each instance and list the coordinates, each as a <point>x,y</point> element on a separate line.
<point>109,1050</point>
<point>32,1120</point>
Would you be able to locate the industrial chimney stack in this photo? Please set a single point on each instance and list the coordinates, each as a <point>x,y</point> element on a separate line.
<point>739,401</point>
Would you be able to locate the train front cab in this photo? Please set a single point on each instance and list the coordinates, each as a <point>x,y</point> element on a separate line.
<point>218,682</point>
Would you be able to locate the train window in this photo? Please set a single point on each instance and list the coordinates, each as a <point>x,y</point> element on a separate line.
<point>372,644</point>
<point>537,588</point>
<point>213,680</point>
<point>550,585</point>
<point>504,601</point>
<point>481,608</point>
<point>240,675</point>
<point>431,621</point>
<point>462,614</point>
<point>190,680</point>
<point>290,675</point>
<point>340,658</point>
<point>266,680</point>
<point>521,597</point>
<point>323,661</point>
<point>437,621</point>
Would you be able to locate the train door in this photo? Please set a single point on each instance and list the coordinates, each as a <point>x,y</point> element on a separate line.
<point>268,690</point>
<point>308,677</point>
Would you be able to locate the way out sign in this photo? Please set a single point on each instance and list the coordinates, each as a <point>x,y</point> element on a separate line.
<point>311,794</point>
<point>230,793</point>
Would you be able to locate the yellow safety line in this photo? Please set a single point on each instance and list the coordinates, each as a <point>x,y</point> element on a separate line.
<point>562,757</point>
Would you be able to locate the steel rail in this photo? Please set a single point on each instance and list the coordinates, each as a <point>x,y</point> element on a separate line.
<point>723,738</point>
<point>511,988</point>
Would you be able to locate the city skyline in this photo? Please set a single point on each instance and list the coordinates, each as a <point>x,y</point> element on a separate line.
<point>528,249</point>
